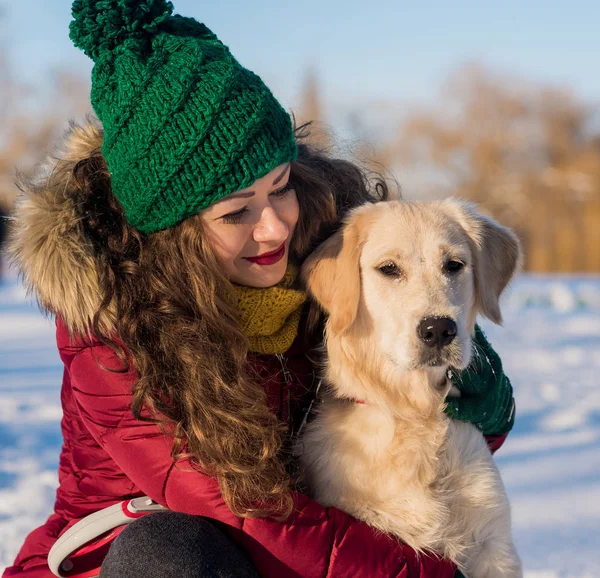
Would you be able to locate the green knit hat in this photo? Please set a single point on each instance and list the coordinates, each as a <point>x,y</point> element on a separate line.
<point>184,123</point>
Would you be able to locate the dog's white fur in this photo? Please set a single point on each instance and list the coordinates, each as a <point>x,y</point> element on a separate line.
<point>397,461</point>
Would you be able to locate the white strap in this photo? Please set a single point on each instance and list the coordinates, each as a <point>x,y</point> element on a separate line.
<point>93,526</point>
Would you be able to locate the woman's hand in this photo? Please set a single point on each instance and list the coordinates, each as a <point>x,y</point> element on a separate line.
<point>486,393</point>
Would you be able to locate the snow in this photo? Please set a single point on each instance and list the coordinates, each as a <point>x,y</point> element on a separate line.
<point>550,347</point>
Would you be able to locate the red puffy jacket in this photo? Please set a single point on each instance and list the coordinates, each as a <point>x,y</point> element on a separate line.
<point>109,456</point>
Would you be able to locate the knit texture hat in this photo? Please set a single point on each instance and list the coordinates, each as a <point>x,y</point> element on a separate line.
<point>184,123</point>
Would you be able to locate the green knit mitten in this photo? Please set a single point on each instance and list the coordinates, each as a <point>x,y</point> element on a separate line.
<point>486,393</point>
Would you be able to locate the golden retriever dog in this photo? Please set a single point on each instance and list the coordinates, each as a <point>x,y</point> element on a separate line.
<point>402,284</point>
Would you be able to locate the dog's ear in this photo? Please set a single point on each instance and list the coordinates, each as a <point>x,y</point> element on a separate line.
<point>497,255</point>
<point>332,274</point>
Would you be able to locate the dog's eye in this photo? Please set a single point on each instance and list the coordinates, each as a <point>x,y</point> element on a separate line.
<point>454,266</point>
<point>389,270</point>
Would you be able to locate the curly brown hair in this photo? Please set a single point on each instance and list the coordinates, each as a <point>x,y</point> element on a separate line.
<point>177,324</point>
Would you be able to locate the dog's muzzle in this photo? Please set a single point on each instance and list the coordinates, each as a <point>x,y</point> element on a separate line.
<point>437,332</point>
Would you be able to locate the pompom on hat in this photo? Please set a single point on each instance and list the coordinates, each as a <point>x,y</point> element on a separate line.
<point>184,123</point>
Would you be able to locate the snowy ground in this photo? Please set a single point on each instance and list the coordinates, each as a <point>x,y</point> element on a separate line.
<point>550,464</point>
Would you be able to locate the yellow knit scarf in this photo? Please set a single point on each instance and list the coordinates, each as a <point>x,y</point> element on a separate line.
<point>270,316</point>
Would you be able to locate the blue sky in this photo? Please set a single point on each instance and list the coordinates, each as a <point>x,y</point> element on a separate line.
<point>381,50</point>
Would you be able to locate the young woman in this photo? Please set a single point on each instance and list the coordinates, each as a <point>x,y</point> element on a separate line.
<point>166,241</point>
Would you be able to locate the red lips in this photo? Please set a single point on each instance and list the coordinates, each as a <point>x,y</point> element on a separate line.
<point>269,258</point>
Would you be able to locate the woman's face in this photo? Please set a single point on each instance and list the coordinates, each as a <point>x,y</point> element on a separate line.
<point>251,229</point>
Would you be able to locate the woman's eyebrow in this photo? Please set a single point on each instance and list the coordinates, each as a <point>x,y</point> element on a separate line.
<point>282,174</point>
<point>247,194</point>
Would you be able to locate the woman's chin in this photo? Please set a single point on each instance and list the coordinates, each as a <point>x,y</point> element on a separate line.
<point>262,276</point>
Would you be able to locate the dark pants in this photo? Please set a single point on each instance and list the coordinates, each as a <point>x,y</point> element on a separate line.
<point>174,545</point>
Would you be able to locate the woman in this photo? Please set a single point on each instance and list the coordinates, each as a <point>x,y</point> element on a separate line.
<point>167,244</point>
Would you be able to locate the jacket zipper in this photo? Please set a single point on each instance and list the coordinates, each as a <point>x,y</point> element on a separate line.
<point>287,376</point>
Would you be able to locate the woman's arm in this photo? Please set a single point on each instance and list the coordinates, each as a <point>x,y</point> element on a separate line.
<point>314,541</point>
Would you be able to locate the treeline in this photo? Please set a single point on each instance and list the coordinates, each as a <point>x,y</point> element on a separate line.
<point>528,154</point>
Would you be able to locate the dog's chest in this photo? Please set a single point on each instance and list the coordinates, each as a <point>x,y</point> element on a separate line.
<point>352,449</point>
<point>403,477</point>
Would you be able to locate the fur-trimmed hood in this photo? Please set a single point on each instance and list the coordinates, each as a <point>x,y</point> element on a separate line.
<point>47,242</point>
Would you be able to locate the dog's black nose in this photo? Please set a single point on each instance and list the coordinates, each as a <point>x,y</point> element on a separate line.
<point>437,331</point>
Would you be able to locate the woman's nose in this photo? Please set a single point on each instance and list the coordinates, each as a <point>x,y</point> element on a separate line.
<point>271,227</point>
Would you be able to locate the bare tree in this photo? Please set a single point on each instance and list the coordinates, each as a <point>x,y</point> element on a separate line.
<point>311,110</point>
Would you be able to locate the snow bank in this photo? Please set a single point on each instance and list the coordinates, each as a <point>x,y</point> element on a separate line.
<point>550,347</point>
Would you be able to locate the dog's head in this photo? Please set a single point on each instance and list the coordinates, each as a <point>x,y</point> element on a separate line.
<point>411,277</point>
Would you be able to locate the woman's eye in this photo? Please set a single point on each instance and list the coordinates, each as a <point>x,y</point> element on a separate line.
<point>234,218</point>
<point>389,270</point>
<point>454,266</point>
<point>284,191</point>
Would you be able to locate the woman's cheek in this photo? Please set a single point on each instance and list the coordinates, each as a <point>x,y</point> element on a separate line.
<point>292,211</point>
<point>229,243</point>
<point>236,241</point>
